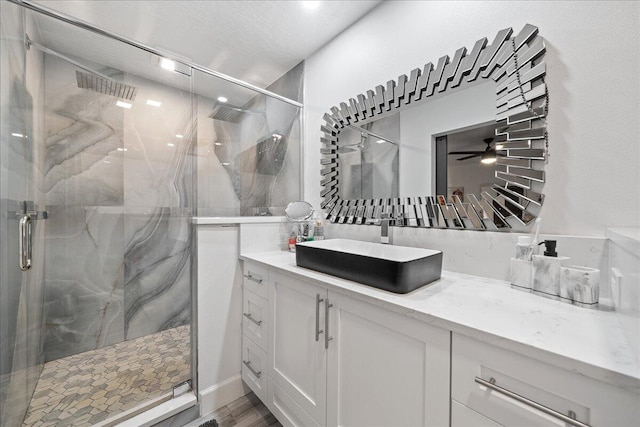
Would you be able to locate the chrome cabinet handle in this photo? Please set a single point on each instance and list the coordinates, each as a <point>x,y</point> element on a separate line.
<point>491,384</point>
<point>327,338</point>
<point>250,317</point>
<point>253,279</point>
<point>258,374</point>
<point>318,331</point>
<point>24,242</point>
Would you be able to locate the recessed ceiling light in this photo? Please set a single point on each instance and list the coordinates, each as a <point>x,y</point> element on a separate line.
<point>122,149</point>
<point>380,141</point>
<point>310,5</point>
<point>217,143</point>
<point>106,161</point>
<point>17,135</point>
<point>168,64</point>
<point>153,103</point>
<point>171,144</point>
<point>225,163</point>
<point>222,99</point>
<point>179,136</point>
<point>123,104</point>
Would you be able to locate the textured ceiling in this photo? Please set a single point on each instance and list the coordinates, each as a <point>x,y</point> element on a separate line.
<point>255,41</point>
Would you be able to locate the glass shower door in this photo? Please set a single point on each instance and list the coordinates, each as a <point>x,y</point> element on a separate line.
<point>21,221</point>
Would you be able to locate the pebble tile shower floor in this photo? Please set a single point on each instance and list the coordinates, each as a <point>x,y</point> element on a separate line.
<point>87,388</point>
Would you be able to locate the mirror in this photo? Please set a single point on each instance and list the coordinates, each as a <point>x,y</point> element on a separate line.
<point>388,151</point>
<point>300,211</point>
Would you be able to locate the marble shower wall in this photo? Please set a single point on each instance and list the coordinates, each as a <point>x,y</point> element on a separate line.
<point>251,167</point>
<point>119,192</point>
<point>21,180</point>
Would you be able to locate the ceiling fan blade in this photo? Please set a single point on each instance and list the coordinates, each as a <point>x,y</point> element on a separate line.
<point>466,152</point>
<point>469,157</point>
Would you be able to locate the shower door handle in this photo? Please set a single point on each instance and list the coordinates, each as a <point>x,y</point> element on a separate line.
<point>25,242</point>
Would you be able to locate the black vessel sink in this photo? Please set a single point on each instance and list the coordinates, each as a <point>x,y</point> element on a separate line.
<point>398,269</point>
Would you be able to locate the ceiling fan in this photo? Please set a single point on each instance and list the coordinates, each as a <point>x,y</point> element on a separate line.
<point>488,155</point>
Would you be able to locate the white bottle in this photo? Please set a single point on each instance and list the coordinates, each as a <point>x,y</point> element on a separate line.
<point>318,229</point>
<point>521,266</point>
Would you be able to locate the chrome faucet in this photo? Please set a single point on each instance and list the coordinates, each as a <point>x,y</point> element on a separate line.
<point>385,230</point>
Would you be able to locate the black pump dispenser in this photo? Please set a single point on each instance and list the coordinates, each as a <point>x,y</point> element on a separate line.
<point>549,248</point>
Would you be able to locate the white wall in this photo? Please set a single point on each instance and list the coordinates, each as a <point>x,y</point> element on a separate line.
<point>418,125</point>
<point>593,57</point>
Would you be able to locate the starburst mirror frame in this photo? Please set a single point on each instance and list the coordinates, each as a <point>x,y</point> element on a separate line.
<point>515,64</point>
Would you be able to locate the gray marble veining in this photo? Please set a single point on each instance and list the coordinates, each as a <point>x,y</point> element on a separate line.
<point>118,190</point>
<point>242,169</point>
<point>157,281</point>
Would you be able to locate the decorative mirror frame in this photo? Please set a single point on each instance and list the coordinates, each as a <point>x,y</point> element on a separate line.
<point>516,66</point>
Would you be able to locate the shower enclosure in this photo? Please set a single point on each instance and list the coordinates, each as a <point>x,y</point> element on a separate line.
<point>101,152</point>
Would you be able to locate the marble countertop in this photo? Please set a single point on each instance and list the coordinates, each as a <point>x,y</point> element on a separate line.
<point>587,341</point>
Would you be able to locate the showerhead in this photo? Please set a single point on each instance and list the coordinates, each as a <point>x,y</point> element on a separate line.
<point>105,86</point>
<point>227,113</point>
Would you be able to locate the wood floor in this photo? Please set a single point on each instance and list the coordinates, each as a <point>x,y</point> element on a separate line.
<point>247,411</point>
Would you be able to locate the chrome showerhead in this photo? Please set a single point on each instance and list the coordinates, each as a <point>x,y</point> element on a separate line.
<point>227,113</point>
<point>105,86</point>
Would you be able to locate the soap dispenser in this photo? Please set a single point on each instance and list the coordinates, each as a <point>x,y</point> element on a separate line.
<point>546,270</point>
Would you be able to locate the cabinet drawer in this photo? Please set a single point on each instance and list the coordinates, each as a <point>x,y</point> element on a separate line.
<point>590,401</point>
<point>255,279</point>
<point>255,318</point>
<point>286,410</point>
<point>254,367</point>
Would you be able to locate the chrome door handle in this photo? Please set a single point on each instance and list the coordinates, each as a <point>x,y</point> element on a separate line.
<point>258,374</point>
<point>327,338</point>
<point>250,317</point>
<point>25,242</point>
<point>318,331</point>
<point>253,279</point>
<point>491,384</point>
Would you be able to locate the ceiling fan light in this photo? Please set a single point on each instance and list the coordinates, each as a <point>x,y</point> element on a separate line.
<point>488,157</point>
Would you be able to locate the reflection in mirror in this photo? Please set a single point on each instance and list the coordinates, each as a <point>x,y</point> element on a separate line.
<point>501,84</point>
<point>369,159</point>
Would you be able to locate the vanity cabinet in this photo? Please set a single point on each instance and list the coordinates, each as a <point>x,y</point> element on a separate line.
<point>255,321</point>
<point>334,360</point>
<point>492,386</point>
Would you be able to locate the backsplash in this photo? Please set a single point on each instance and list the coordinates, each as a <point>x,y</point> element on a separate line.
<point>485,254</point>
<point>624,261</point>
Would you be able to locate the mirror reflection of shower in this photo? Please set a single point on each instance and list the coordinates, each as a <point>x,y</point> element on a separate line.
<point>368,161</point>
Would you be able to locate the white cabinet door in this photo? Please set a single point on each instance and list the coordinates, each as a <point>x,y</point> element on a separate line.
<point>385,369</point>
<point>297,357</point>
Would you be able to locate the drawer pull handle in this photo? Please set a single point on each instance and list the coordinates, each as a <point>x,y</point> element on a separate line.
<point>318,330</point>
<point>327,338</point>
<point>257,374</point>
<point>250,317</point>
<point>491,384</point>
<point>253,279</point>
